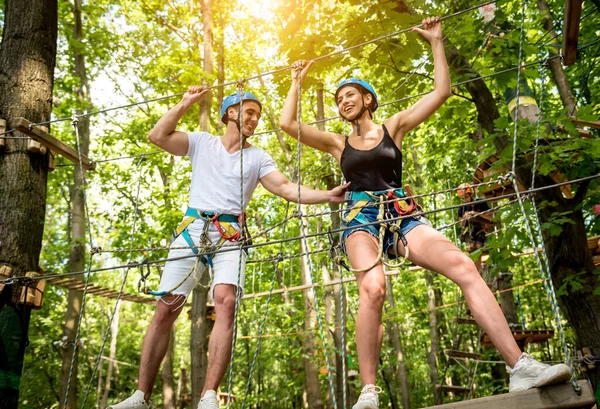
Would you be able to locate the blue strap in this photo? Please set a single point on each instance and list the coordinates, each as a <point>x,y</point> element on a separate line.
<point>207,259</point>
<point>201,214</point>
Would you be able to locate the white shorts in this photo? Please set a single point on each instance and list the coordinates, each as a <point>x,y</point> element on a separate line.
<point>225,264</point>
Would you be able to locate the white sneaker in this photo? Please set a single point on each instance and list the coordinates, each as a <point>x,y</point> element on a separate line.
<point>529,373</point>
<point>135,401</point>
<point>368,398</point>
<point>209,401</point>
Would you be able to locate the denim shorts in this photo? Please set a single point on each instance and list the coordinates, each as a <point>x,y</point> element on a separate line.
<point>370,214</point>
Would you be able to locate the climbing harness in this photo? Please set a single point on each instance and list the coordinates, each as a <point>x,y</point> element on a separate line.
<point>404,207</point>
<point>225,225</point>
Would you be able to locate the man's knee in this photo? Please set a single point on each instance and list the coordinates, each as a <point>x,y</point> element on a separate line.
<point>224,297</point>
<point>168,308</point>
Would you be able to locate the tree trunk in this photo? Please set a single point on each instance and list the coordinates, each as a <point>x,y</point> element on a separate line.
<point>220,65</point>
<point>328,306</point>
<point>309,348</point>
<point>112,365</point>
<point>433,333</point>
<point>340,358</point>
<point>183,396</point>
<point>78,226</point>
<point>201,328</point>
<point>395,333</point>
<point>27,58</point>
<point>100,364</point>
<point>206,101</point>
<point>507,300</point>
<point>562,83</point>
<point>568,253</point>
<point>295,343</point>
<point>168,379</point>
<point>201,325</point>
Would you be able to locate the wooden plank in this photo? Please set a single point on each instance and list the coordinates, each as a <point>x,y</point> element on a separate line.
<point>2,130</point>
<point>467,321</point>
<point>593,243</point>
<point>571,31</point>
<point>530,336</point>
<point>452,389</point>
<point>51,142</point>
<point>590,124</point>
<point>453,353</point>
<point>549,397</point>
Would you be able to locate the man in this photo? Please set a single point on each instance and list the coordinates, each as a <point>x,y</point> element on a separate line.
<point>213,215</point>
<point>474,224</point>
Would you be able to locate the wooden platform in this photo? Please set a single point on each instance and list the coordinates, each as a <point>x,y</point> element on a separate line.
<point>453,389</point>
<point>489,169</point>
<point>452,353</point>
<point>550,397</point>
<point>527,336</point>
<point>41,136</point>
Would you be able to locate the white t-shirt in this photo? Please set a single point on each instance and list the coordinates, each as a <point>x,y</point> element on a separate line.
<point>215,185</point>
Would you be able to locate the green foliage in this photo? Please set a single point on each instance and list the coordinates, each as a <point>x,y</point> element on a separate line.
<point>137,51</point>
<point>572,284</point>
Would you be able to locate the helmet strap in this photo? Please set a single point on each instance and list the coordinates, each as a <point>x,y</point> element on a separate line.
<point>236,122</point>
<point>358,116</point>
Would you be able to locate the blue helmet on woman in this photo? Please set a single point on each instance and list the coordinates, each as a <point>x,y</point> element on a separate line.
<point>364,85</point>
<point>234,99</point>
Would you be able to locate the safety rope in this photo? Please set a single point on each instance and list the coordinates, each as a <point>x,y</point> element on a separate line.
<point>304,240</point>
<point>75,123</point>
<point>264,317</point>
<point>546,275</point>
<point>119,294</point>
<point>240,86</point>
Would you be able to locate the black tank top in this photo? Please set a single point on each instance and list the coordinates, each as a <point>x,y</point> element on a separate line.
<point>379,168</point>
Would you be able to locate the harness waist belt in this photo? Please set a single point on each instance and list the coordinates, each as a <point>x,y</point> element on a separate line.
<point>372,196</point>
<point>200,214</point>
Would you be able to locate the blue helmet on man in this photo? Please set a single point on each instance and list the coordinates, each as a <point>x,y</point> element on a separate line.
<point>364,85</point>
<point>234,99</point>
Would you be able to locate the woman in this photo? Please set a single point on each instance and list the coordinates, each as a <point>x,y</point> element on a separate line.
<point>371,160</point>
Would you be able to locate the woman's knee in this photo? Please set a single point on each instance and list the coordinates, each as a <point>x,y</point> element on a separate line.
<point>465,271</point>
<point>372,292</point>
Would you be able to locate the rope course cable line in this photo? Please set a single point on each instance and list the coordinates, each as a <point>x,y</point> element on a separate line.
<point>406,98</point>
<point>323,213</point>
<point>268,73</point>
<point>581,48</point>
<point>13,280</point>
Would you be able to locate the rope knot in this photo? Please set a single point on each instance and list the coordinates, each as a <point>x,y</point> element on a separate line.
<point>240,84</point>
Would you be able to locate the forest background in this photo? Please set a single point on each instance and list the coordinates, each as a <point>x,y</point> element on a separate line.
<point>119,52</point>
